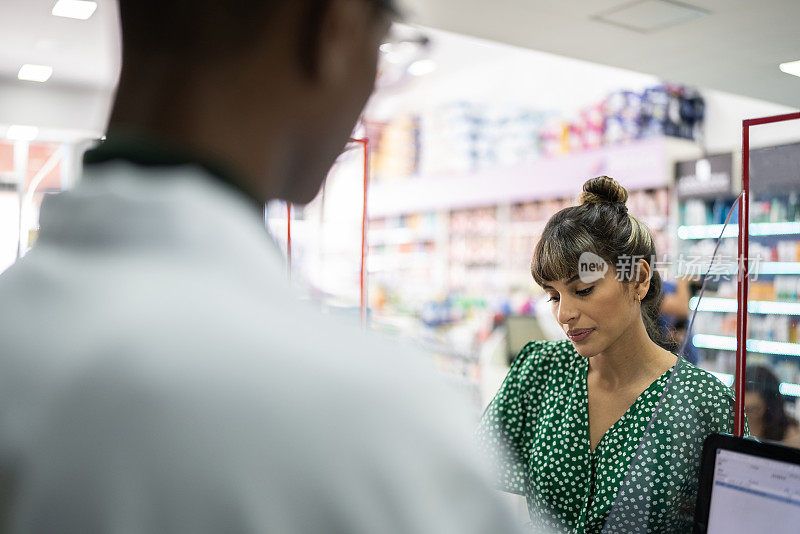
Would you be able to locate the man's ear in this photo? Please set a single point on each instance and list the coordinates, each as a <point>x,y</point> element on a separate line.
<point>336,29</point>
<point>308,38</point>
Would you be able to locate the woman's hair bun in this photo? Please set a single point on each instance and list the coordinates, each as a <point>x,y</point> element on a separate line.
<point>603,189</point>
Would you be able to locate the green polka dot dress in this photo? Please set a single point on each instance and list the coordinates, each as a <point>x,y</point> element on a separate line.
<point>536,430</point>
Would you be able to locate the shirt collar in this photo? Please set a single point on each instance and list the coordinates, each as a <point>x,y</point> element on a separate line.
<point>150,151</point>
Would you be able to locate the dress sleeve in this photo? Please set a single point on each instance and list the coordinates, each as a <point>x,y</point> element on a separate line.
<point>502,434</point>
<point>721,414</point>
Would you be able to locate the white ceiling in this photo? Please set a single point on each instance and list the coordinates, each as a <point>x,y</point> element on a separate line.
<point>74,103</point>
<point>736,47</point>
<point>81,52</point>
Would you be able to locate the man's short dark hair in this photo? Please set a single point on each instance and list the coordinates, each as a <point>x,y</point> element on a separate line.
<point>208,28</point>
<point>193,27</point>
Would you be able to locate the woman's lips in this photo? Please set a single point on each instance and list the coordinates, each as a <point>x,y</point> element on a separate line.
<point>579,334</point>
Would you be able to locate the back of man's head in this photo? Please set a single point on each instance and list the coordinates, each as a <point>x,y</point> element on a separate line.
<point>270,87</point>
<point>198,29</point>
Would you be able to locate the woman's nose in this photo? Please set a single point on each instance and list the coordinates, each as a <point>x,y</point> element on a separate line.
<point>567,312</point>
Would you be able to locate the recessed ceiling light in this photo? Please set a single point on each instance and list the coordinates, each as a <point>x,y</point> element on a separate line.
<point>18,132</point>
<point>792,67</point>
<point>35,73</point>
<point>422,67</point>
<point>74,9</point>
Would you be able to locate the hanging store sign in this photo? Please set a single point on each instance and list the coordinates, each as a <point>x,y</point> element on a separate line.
<point>775,169</point>
<point>708,177</point>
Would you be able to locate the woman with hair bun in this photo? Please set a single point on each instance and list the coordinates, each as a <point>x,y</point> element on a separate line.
<point>765,408</point>
<point>567,428</point>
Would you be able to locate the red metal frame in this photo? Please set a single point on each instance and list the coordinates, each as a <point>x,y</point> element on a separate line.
<point>289,240</point>
<point>743,272</point>
<point>365,145</point>
<point>363,280</point>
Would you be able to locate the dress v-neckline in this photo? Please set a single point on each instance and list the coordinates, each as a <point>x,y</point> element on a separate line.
<point>584,381</point>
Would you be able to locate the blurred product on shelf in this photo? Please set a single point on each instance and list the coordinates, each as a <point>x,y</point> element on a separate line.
<point>704,212</point>
<point>395,152</point>
<point>464,137</point>
<point>669,110</point>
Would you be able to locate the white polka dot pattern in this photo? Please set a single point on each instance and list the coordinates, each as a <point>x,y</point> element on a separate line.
<point>536,430</point>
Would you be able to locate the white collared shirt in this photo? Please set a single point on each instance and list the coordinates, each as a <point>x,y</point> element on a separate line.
<point>158,374</point>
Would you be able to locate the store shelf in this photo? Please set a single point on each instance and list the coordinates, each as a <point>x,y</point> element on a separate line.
<point>712,304</point>
<point>638,165</point>
<point>786,388</point>
<point>713,231</point>
<point>527,227</point>
<point>756,267</point>
<point>398,236</point>
<point>655,222</point>
<point>390,262</point>
<point>778,267</point>
<point>708,341</point>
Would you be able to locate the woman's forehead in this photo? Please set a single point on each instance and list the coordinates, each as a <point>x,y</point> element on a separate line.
<point>576,279</point>
<point>563,282</point>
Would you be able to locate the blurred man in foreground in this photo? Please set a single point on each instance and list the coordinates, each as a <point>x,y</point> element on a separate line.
<point>156,372</point>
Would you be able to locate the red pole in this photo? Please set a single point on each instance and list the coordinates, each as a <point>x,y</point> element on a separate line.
<point>743,273</point>
<point>773,118</point>
<point>289,240</point>
<point>365,145</point>
<point>743,284</point>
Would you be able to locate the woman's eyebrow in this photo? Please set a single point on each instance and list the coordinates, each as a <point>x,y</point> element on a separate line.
<point>568,282</point>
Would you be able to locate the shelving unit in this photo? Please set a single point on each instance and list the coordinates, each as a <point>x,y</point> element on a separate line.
<point>639,165</point>
<point>454,250</point>
<point>786,388</point>
<point>713,304</point>
<point>713,231</point>
<point>774,308</point>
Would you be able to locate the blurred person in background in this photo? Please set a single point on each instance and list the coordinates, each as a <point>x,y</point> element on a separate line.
<point>764,405</point>
<point>674,314</point>
<point>157,373</point>
<point>565,428</point>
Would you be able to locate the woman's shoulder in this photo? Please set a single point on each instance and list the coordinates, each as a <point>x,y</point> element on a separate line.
<point>539,365</point>
<point>705,381</point>
<point>541,356</point>
<point>561,349</point>
<point>702,390</point>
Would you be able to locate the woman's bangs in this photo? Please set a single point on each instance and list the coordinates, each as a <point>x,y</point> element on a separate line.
<point>554,259</point>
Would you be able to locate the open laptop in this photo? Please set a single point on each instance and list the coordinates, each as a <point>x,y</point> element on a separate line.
<point>748,487</point>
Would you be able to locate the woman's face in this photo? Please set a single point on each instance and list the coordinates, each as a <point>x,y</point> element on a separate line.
<point>594,315</point>
<point>754,406</point>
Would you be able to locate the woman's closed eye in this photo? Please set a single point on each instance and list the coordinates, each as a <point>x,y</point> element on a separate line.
<point>580,293</point>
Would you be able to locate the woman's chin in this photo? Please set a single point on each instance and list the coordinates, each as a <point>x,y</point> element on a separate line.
<point>585,351</point>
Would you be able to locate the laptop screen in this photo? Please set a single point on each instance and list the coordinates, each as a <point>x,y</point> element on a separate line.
<point>753,494</point>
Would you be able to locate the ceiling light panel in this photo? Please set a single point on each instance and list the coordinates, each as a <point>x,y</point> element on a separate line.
<point>74,9</point>
<point>19,132</point>
<point>648,16</point>
<point>35,73</point>
<point>792,67</point>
